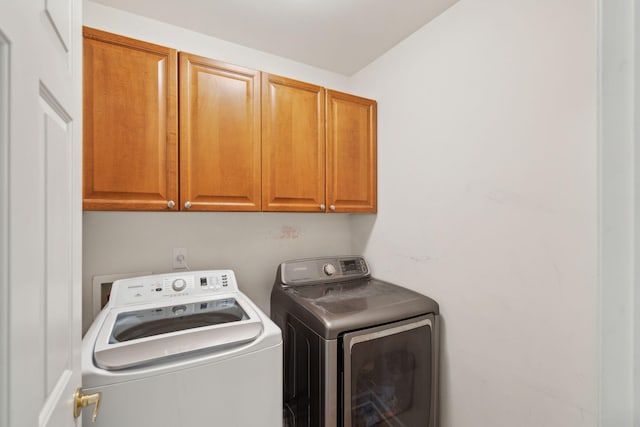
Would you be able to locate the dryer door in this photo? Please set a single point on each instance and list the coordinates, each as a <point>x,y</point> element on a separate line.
<point>390,375</point>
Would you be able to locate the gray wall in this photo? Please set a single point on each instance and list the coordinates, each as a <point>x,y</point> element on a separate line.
<point>619,233</point>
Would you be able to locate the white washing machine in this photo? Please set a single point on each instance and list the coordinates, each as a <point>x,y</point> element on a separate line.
<point>183,349</point>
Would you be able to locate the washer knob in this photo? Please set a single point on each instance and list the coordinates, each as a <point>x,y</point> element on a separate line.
<point>179,285</point>
<point>329,269</point>
<point>179,309</point>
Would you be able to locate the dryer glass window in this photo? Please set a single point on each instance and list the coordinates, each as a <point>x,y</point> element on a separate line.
<point>389,378</point>
<point>164,320</point>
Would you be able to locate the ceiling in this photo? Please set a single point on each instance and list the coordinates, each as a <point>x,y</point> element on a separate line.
<point>337,35</point>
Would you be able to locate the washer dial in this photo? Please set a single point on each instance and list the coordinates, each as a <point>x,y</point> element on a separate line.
<point>179,285</point>
<point>179,309</point>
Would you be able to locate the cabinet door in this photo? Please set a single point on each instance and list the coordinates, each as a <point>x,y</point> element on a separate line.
<point>292,145</point>
<point>219,136</point>
<point>351,153</point>
<point>130,124</point>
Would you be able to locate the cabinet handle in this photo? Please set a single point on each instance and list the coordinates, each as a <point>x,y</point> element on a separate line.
<point>187,204</point>
<point>322,208</point>
<point>171,204</point>
<point>332,207</point>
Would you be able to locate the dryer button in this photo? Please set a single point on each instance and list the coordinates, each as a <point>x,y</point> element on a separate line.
<point>329,269</point>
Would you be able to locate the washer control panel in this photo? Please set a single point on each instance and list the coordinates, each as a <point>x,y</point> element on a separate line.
<point>323,270</point>
<point>138,290</point>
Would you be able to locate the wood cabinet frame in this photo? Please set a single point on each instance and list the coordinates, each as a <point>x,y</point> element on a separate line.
<point>133,166</point>
<point>351,181</point>
<point>293,145</point>
<point>220,147</point>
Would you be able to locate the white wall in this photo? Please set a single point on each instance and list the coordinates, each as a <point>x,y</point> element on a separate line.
<point>487,135</point>
<point>252,244</point>
<point>116,21</point>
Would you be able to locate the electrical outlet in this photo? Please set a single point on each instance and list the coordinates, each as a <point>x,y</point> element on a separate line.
<point>180,258</point>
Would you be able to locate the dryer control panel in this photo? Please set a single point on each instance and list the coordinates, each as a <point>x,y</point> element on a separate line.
<point>323,270</point>
<point>139,290</point>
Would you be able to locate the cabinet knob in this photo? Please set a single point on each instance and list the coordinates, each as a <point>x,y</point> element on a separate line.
<point>171,204</point>
<point>187,204</point>
<point>332,207</point>
<point>322,208</point>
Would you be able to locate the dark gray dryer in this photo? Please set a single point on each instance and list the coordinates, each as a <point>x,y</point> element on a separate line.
<point>357,351</point>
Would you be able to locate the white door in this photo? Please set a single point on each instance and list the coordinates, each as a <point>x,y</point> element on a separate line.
<point>40,211</point>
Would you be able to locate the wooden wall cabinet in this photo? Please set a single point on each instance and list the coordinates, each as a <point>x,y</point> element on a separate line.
<point>220,158</point>
<point>319,149</point>
<point>249,141</point>
<point>351,182</point>
<point>293,145</point>
<point>130,124</point>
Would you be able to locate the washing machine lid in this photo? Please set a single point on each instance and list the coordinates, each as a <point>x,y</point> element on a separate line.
<point>133,336</point>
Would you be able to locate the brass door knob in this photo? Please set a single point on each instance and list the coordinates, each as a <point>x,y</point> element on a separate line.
<point>81,400</point>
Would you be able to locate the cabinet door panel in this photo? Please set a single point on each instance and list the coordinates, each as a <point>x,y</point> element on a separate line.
<point>220,162</point>
<point>351,153</point>
<point>293,145</point>
<point>130,123</point>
